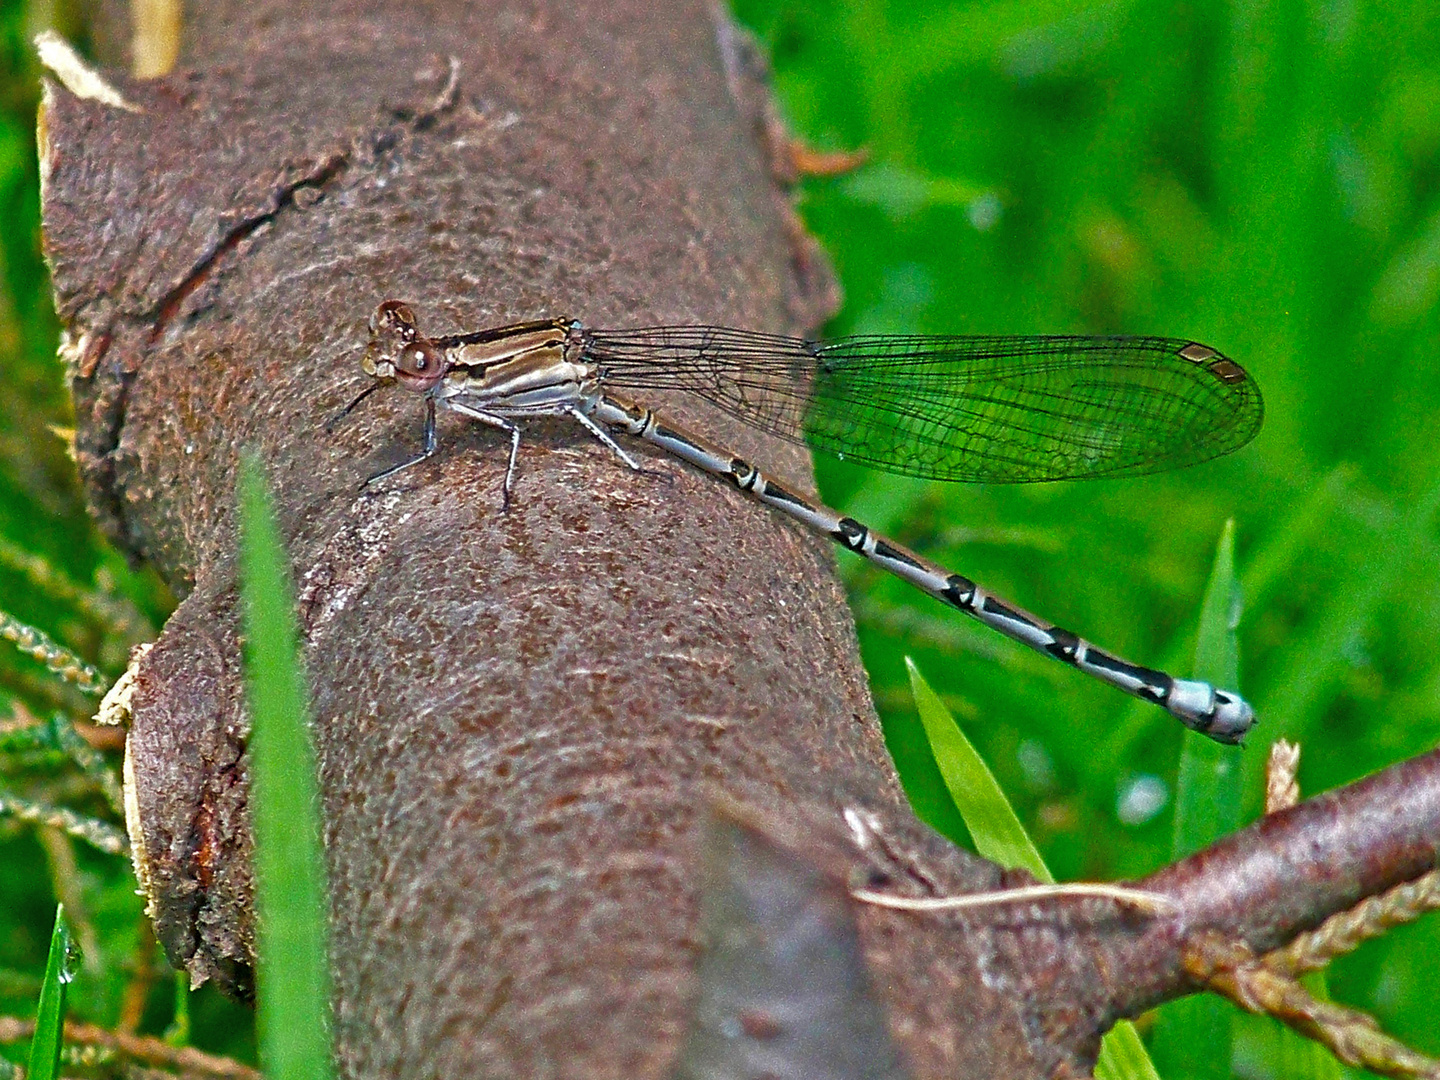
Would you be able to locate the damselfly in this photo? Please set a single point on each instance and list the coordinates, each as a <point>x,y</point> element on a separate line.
<point>993,409</point>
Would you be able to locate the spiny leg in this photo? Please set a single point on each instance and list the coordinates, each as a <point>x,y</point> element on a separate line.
<point>504,425</point>
<point>430,443</point>
<point>604,436</point>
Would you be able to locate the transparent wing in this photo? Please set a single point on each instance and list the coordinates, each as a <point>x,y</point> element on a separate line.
<point>983,409</point>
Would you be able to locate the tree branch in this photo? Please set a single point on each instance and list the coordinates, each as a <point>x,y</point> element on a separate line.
<point>518,714</point>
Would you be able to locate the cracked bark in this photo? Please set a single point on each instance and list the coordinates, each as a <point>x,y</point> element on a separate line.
<point>518,715</point>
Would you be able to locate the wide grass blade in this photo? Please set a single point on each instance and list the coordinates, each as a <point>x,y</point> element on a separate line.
<point>996,831</point>
<point>1000,837</point>
<point>293,975</point>
<point>1193,1037</point>
<point>50,1014</point>
<point>1123,1056</point>
<point>1208,791</point>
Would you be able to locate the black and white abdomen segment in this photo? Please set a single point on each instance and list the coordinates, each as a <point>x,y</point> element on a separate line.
<point>1197,705</point>
<point>1221,715</point>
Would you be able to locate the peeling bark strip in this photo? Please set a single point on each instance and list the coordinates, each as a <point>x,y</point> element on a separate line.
<point>784,989</point>
<point>518,714</point>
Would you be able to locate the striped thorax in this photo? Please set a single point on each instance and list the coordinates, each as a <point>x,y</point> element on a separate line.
<point>522,368</point>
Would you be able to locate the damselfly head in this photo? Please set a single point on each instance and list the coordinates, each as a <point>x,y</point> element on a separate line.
<point>394,315</point>
<point>397,350</point>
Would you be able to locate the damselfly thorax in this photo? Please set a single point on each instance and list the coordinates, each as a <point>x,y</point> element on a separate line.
<point>996,409</point>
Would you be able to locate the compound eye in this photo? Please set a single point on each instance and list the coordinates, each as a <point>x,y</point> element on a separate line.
<point>418,360</point>
<point>396,318</point>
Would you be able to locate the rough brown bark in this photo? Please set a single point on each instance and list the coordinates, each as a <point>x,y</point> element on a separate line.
<point>518,715</point>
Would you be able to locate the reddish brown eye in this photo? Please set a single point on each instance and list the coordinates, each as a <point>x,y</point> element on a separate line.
<point>396,318</point>
<point>399,349</point>
<point>419,359</point>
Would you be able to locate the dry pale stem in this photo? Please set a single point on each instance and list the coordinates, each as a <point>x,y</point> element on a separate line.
<point>1282,790</point>
<point>143,976</point>
<point>97,834</point>
<point>1229,968</point>
<point>56,657</point>
<point>141,1049</point>
<point>1344,932</point>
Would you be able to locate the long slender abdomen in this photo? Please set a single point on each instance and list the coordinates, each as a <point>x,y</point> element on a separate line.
<point>1222,715</point>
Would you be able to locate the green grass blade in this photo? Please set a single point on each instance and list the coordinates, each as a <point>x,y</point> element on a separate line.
<point>50,1014</point>
<point>1123,1056</point>
<point>1194,1036</point>
<point>909,748</point>
<point>1208,792</point>
<point>997,832</point>
<point>178,1033</point>
<point>1000,837</point>
<point>293,977</point>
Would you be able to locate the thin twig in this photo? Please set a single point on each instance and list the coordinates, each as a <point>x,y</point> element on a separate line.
<point>806,161</point>
<point>142,980</point>
<point>1268,984</point>
<point>1150,902</point>
<point>1343,932</point>
<point>105,739</point>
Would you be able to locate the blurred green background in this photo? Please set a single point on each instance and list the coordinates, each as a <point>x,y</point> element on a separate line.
<point>1261,177</point>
